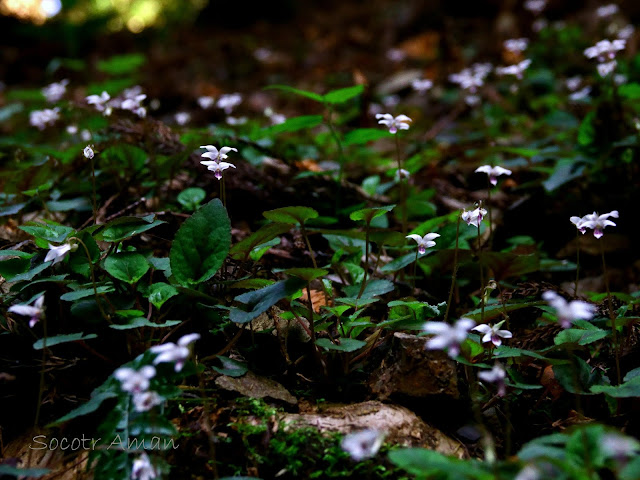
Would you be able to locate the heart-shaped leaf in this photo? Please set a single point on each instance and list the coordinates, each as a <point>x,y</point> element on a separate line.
<point>126,266</point>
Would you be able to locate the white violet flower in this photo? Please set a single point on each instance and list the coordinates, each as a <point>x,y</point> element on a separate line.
<point>135,381</point>
<point>607,10</point>
<point>99,101</point>
<point>182,118</point>
<point>145,401</point>
<point>535,6</point>
<point>401,174</point>
<point>218,167</point>
<point>496,375</point>
<point>55,91</point>
<point>143,469</point>
<point>605,50</point>
<point>88,152</point>
<point>604,69</point>
<point>422,85</point>
<point>517,70</point>
<point>206,102</point>
<point>363,444</point>
<point>598,222</point>
<point>228,102</point>
<point>448,336</point>
<point>215,155</point>
<point>393,123</point>
<point>57,253</point>
<point>35,311</point>
<point>175,353</point>
<point>493,172</point>
<point>474,217</point>
<point>516,45</point>
<point>44,118</point>
<point>424,242</point>
<point>493,334</point>
<point>567,312</point>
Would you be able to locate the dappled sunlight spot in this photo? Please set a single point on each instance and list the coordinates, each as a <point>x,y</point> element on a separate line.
<point>37,11</point>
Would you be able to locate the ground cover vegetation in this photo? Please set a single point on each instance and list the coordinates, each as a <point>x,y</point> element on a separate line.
<point>414,261</point>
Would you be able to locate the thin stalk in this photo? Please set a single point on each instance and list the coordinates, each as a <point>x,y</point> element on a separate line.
<point>93,192</point>
<point>455,269</point>
<point>413,275</point>
<point>575,290</point>
<point>612,316</point>
<point>44,358</point>
<point>223,192</point>
<point>336,139</point>
<point>481,275</point>
<point>312,328</point>
<point>93,278</point>
<point>403,192</point>
<point>366,260</point>
<point>489,209</point>
<point>306,239</point>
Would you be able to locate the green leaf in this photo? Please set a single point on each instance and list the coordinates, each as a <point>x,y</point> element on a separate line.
<point>368,214</point>
<point>290,215</point>
<point>587,130</point>
<point>373,289</point>
<point>143,322</point>
<point>11,267</point>
<point>50,231</point>
<point>126,266</point>
<point>28,276</point>
<point>16,253</point>
<point>398,263</point>
<point>91,406</point>
<point>231,367</point>
<point>432,464</point>
<point>126,227</point>
<point>260,301</point>
<point>365,135</point>
<point>629,91</point>
<point>122,64</point>
<point>564,171</point>
<point>159,293</point>
<point>123,157</point>
<point>85,292</point>
<point>190,198</point>
<point>257,253</point>
<point>262,236</point>
<point>201,244</point>
<point>79,204</point>
<point>632,374</point>
<point>306,274</point>
<point>59,339</point>
<point>345,345</point>
<point>630,388</point>
<point>296,123</point>
<point>303,93</point>
<point>343,94</point>
<point>579,336</point>
<point>23,472</point>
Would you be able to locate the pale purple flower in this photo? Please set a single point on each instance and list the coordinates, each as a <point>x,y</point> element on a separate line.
<point>393,123</point>
<point>598,222</point>
<point>516,45</point>
<point>215,155</point>
<point>175,353</point>
<point>424,242</point>
<point>218,167</point>
<point>396,54</point>
<point>85,135</point>
<point>448,336</point>
<point>618,446</point>
<point>206,102</point>
<point>567,312</point>
<point>467,80</point>
<point>605,50</point>
<point>472,100</point>
<point>579,223</point>
<point>493,334</point>
<point>55,91</point>
<point>493,172</point>
<point>516,70</point>
<point>363,444</point>
<point>421,85</point>
<point>145,401</point>
<point>236,120</point>
<point>607,10</point>
<point>88,152</point>
<point>182,118</point>
<point>496,375</point>
<point>627,32</point>
<point>573,83</point>
<point>44,118</point>
<point>401,174</point>
<point>604,69</point>
<point>57,253</point>
<point>229,101</point>
<point>535,6</point>
<point>135,381</point>
<point>474,217</point>
<point>581,94</point>
<point>35,311</point>
<point>275,118</point>
<point>143,469</point>
<point>99,101</point>
<point>132,103</point>
<point>72,129</point>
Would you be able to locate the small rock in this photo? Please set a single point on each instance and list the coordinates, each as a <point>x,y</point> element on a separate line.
<point>411,370</point>
<point>400,425</point>
<point>254,386</point>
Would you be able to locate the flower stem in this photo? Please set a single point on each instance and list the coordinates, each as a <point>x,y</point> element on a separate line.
<point>44,359</point>
<point>575,291</point>
<point>93,191</point>
<point>366,260</point>
<point>403,193</point>
<point>481,275</point>
<point>612,316</point>
<point>413,275</point>
<point>306,239</point>
<point>455,269</point>
<point>490,216</point>
<point>336,139</point>
<point>93,278</point>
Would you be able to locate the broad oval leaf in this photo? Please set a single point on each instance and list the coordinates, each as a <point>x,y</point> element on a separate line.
<point>307,274</point>
<point>50,231</point>
<point>190,198</point>
<point>368,214</point>
<point>201,244</point>
<point>343,94</point>
<point>297,91</point>
<point>296,123</point>
<point>231,367</point>
<point>59,339</point>
<point>345,345</point>
<point>126,266</point>
<point>126,227</point>
<point>290,215</point>
<point>260,301</point>
<point>159,293</point>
